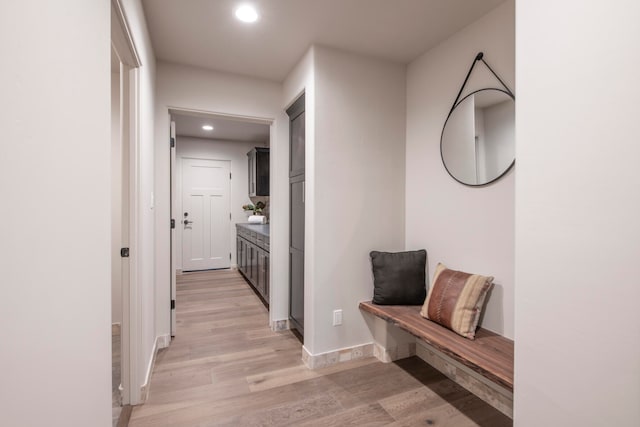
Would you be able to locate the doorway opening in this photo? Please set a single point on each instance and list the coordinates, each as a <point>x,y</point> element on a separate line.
<point>211,191</point>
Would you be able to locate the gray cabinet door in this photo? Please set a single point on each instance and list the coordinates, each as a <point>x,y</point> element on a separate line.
<point>266,276</point>
<point>262,268</point>
<point>297,145</point>
<point>296,193</point>
<point>251,260</point>
<point>238,252</point>
<point>296,222</point>
<point>251,160</point>
<point>258,163</point>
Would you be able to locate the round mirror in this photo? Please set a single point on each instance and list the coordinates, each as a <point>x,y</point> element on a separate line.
<point>478,139</point>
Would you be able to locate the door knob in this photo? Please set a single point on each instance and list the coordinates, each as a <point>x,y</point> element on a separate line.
<point>187,222</point>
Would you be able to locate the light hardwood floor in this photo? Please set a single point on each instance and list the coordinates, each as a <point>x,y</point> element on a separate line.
<point>227,368</point>
<point>116,400</point>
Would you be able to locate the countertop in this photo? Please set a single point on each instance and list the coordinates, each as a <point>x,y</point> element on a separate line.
<point>258,228</point>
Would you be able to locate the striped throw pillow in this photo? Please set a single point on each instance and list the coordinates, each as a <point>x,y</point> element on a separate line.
<point>455,300</point>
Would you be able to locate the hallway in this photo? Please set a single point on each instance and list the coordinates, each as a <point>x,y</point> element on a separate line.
<point>226,367</point>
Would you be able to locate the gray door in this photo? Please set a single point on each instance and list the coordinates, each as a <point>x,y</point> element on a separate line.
<point>296,221</point>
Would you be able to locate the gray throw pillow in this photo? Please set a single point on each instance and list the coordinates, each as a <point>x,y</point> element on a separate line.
<point>399,278</point>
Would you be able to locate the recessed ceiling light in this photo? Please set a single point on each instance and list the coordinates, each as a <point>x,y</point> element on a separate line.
<point>207,127</point>
<point>247,13</point>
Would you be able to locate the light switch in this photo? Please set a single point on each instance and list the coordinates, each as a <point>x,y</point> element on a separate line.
<point>337,317</point>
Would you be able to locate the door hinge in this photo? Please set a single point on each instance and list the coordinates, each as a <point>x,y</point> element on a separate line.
<point>229,256</point>
<point>172,142</point>
<point>173,223</point>
<point>124,252</point>
<point>229,175</point>
<point>173,304</point>
<point>229,216</point>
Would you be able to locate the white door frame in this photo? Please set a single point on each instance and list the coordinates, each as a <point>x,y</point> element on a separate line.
<point>124,46</point>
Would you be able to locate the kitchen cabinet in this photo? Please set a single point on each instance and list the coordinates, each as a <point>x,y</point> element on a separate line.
<point>258,162</point>
<point>252,253</point>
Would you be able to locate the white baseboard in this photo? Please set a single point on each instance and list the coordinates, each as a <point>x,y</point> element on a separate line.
<point>322,360</point>
<point>162,341</point>
<point>280,325</point>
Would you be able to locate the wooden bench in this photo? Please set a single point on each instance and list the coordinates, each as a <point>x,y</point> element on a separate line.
<point>489,355</point>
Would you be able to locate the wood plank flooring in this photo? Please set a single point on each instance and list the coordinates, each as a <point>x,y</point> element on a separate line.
<point>116,398</point>
<point>227,368</point>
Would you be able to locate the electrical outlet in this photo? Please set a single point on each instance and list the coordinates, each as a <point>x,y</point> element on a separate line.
<point>337,317</point>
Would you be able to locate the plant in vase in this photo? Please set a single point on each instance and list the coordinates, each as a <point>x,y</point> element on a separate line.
<point>254,209</point>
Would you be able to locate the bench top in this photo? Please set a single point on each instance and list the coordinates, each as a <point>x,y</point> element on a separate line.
<point>490,354</point>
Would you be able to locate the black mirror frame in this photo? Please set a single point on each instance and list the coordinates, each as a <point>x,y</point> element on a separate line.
<point>458,102</point>
<point>479,57</point>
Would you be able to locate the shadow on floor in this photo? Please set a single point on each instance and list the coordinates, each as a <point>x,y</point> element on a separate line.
<point>468,404</point>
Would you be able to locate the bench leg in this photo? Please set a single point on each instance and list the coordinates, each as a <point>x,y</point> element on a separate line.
<point>390,343</point>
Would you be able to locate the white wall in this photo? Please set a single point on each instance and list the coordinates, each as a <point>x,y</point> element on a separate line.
<point>470,229</point>
<point>577,329</point>
<point>357,188</point>
<point>236,153</point>
<point>55,213</point>
<point>116,201</point>
<point>184,87</point>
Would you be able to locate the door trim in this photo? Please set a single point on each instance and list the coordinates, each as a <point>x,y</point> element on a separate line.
<point>173,215</point>
<point>121,37</point>
<point>214,114</point>
<point>124,47</point>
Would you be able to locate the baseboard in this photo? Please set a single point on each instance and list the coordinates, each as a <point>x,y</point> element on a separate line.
<point>322,360</point>
<point>495,395</point>
<point>280,325</point>
<point>162,341</point>
<point>115,329</point>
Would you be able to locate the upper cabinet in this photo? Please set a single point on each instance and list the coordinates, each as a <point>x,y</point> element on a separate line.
<point>258,159</point>
<point>296,137</point>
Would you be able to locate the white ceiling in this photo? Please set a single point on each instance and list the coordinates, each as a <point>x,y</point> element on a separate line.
<point>224,129</point>
<point>204,33</point>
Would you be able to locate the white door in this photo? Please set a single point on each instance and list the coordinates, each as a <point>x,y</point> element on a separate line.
<point>206,214</point>
<point>174,215</point>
